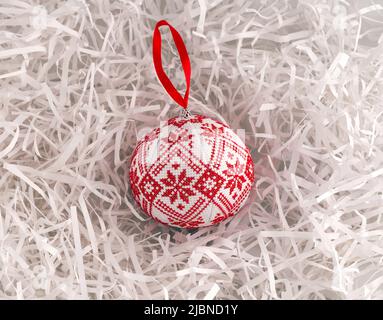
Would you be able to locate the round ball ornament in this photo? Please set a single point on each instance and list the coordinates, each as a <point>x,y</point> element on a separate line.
<point>193,171</point>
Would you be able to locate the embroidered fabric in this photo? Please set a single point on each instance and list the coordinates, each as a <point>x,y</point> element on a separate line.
<point>192,172</point>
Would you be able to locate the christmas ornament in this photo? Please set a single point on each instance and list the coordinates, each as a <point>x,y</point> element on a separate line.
<point>193,171</point>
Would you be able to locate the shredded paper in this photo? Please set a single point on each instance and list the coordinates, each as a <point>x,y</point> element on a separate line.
<point>300,81</point>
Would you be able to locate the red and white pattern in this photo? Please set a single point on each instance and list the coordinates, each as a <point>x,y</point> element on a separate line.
<point>191,172</point>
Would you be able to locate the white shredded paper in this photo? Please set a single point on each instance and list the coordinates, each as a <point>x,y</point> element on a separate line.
<point>301,81</point>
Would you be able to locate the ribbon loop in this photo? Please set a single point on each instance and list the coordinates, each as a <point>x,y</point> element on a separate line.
<point>185,61</point>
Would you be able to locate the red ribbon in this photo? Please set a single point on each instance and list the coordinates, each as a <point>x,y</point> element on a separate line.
<point>157,59</point>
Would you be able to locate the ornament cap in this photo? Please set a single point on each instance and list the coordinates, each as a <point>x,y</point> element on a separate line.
<point>185,113</point>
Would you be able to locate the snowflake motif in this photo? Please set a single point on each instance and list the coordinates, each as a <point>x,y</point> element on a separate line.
<point>235,176</point>
<point>177,136</point>
<point>211,130</point>
<point>178,188</point>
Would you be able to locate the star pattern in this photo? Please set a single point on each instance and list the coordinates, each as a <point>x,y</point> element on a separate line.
<point>177,186</point>
<point>235,176</point>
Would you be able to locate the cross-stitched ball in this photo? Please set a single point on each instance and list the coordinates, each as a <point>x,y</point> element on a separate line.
<point>191,172</point>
